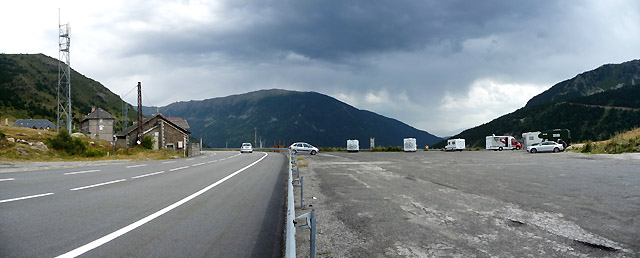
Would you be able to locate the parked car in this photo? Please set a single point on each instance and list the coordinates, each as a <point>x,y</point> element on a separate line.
<point>304,147</point>
<point>547,146</point>
<point>246,147</point>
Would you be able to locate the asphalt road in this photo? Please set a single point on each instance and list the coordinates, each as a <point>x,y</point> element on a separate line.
<point>475,204</point>
<point>221,204</point>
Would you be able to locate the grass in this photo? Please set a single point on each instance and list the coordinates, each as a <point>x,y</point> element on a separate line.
<point>624,142</point>
<point>21,152</point>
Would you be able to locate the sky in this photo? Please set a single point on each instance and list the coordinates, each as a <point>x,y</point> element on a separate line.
<point>439,66</point>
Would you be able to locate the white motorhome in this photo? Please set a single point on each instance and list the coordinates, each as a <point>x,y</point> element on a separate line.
<point>455,145</point>
<point>530,138</point>
<point>410,144</point>
<point>500,143</point>
<point>353,145</point>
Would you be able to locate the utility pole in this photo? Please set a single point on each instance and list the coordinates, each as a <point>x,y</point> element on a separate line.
<point>139,139</point>
<point>255,136</point>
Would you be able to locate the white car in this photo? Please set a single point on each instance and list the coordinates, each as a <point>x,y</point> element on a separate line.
<point>303,147</point>
<point>246,147</point>
<point>545,147</point>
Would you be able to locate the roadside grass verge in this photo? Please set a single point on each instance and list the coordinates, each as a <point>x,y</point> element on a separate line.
<point>624,142</point>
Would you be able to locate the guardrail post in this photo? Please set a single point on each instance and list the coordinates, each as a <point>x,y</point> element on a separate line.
<point>311,225</point>
<point>290,247</point>
<point>301,193</point>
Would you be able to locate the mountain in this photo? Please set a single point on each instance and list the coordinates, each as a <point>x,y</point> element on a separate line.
<point>288,116</point>
<point>28,89</point>
<point>594,105</point>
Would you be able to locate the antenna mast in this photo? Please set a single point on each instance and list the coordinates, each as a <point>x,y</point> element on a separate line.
<point>64,76</point>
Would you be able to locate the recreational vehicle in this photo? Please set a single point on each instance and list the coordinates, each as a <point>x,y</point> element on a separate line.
<point>410,144</point>
<point>455,145</point>
<point>353,145</point>
<point>500,143</point>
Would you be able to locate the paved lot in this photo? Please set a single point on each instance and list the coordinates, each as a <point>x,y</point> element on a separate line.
<point>473,204</point>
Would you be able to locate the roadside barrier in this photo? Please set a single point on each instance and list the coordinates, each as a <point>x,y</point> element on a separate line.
<point>290,249</point>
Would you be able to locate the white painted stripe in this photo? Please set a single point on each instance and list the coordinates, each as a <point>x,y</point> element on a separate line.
<point>174,169</point>
<point>100,184</point>
<point>212,161</point>
<point>26,197</point>
<point>135,166</point>
<point>198,164</point>
<point>167,162</point>
<point>150,174</point>
<point>191,159</point>
<point>7,179</point>
<point>82,172</point>
<point>103,240</point>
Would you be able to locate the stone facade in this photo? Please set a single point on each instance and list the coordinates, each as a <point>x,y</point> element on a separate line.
<point>98,125</point>
<point>165,134</point>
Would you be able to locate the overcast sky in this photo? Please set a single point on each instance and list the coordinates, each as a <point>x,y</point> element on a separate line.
<point>440,66</point>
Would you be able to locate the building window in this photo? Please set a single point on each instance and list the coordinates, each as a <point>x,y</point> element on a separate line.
<point>170,146</point>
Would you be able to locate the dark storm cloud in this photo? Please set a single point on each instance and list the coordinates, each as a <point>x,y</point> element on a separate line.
<point>336,31</point>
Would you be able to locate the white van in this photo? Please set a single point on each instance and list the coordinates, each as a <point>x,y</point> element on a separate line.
<point>353,145</point>
<point>455,145</point>
<point>410,145</point>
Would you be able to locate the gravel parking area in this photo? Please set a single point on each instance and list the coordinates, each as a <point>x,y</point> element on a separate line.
<point>472,204</point>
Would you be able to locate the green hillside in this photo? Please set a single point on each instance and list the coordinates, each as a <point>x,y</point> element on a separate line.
<point>28,89</point>
<point>594,106</point>
<point>289,116</point>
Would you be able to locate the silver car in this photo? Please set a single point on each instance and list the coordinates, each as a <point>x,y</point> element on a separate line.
<point>545,147</point>
<point>246,147</point>
<point>303,147</point>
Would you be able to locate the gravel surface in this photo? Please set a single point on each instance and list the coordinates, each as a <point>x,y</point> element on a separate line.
<point>472,204</point>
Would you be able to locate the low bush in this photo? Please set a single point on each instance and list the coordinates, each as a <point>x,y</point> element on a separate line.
<point>147,142</point>
<point>388,149</point>
<point>64,142</point>
<point>587,147</point>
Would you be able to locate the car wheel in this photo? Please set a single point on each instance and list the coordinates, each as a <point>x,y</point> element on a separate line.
<point>313,152</point>
<point>534,150</point>
<point>517,147</point>
<point>500,149</point>
<point>556,150</point>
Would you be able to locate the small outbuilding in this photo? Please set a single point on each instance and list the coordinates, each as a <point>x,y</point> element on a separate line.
<point>42,124</point>
<point>98,125</point>
<point>165,134</point>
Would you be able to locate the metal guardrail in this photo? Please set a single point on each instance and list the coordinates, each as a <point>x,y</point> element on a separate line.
<point>290,249</point>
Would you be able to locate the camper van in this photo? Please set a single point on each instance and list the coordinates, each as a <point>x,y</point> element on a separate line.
<point>410,144</point>
<point>556,135</point>
<point>455,145</point>
<point>500,143</point>
<point>353,145</point>
<point>530,138</point>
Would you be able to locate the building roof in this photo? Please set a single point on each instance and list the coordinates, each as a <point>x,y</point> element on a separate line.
<point>180,122</point>
<point>37,123</point>
<point>145,120</point>
<point>99,113</point>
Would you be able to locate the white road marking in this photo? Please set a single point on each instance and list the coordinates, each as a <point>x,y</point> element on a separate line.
<point>103,240</point>
<point>100,184</point>
<point>82,172</point>
<point>167,162</point>
<point>174,169</point>
<point>150,174</point>
<point>191,159</point>
<point>26,197</point>
<point>7,179</point>
<point>212,161</point>
<point>198,164</point>
<point>135,166</point>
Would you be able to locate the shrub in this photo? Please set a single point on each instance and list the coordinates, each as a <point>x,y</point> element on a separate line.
<point>147,142</point>
<point>587,147</point>
<point>64,142</point>
<point>388,149</point>
<point>2,135</point>
<point>94,153</point>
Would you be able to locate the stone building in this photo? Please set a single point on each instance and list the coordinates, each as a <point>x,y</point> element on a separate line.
<point>165,134</point>
<point>98,125</point>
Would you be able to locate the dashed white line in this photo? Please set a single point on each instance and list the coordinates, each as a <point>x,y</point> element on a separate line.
<point>26,197</point>
<point>82,172</point>
<point>167,162</point>
<point>100,184</point>
<point>135,166</point>
<point>150,174</point>
<point>7,179</point>
<point>198,164</point>
<point>190,159</point>
<point>103,240</point>
<point>174,169</point>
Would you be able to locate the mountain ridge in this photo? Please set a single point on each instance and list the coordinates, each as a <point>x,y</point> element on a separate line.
<point>289,116</point>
